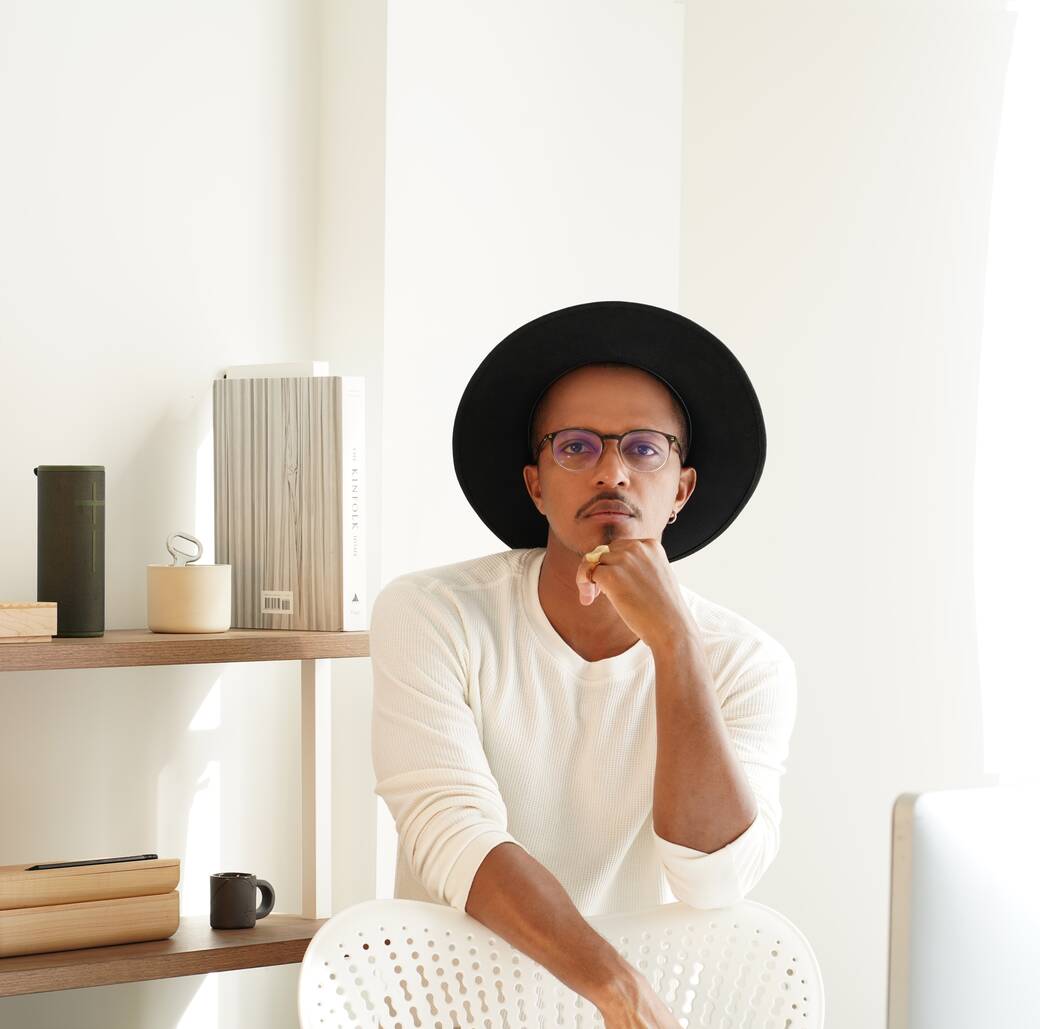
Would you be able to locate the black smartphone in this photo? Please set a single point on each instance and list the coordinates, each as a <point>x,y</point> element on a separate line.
<point>97,861</point>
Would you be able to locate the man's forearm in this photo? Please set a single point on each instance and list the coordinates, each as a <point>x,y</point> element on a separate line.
<point>702,798</point>
<point>520,900</point>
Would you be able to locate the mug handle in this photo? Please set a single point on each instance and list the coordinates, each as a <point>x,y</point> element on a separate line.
<point>266,898</point>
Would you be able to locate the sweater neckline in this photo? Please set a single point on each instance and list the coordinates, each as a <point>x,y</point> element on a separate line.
<point>608,668</point>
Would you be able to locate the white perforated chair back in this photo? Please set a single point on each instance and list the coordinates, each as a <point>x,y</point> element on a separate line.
<point>409,964</point>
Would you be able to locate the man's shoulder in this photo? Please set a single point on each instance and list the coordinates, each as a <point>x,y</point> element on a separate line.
<point>733,632</point>
<point>461,579</point>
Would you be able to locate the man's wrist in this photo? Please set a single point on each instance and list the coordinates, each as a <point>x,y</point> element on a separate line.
<point>673,637</point>
<point>616,986</point>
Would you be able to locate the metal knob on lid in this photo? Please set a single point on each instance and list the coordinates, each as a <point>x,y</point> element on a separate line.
<point>180,557</point>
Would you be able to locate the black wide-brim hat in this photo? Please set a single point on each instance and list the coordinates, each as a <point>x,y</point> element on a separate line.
<point>727,435</point>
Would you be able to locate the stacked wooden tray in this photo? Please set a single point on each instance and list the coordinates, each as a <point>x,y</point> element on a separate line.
<point>87,905</point>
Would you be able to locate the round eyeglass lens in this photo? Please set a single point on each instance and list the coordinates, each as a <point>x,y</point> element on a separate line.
<point>644,450</point>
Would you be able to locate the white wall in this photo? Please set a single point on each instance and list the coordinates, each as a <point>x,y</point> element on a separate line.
<point>532,163</point>
<point>838,163</point>
<point>159,203</point>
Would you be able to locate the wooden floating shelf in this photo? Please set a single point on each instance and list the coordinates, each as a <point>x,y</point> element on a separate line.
<point>195,949</point>
<point>139,647</point>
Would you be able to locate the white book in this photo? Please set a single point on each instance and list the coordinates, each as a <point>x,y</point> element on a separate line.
<point>289,497</point>
<point>355,503</point>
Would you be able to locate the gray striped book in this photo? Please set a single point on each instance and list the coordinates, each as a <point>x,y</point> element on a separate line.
<point>288,468</point>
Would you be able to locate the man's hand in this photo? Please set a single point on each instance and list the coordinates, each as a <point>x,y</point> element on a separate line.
<point>635,1005</point>
<point>637,579</point>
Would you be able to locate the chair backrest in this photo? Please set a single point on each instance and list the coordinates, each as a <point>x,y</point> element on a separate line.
<point>405,964</point>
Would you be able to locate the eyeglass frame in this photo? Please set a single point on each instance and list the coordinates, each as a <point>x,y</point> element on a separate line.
<point>603,437</point>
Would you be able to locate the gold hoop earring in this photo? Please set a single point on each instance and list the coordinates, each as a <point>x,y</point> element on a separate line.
<point>675,514</point>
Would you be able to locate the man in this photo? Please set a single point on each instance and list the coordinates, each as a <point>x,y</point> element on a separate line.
<point>557,736</point>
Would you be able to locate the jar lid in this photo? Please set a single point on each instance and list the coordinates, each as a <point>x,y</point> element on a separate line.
<point>69,468</point>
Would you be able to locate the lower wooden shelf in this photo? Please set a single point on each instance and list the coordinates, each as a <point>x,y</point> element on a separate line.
<point>194,949</point>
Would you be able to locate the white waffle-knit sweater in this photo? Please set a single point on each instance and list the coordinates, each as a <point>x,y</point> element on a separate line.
<point>487,727</point>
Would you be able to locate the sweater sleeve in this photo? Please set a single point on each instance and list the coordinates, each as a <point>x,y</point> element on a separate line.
<point>759,712</point>
<point>430,766</point>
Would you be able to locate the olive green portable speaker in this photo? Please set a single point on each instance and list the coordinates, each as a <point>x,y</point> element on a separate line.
<point>70,545</point>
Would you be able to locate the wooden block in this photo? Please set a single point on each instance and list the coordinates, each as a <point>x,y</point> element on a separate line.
<point>28,621</point>
<point>93,923</point>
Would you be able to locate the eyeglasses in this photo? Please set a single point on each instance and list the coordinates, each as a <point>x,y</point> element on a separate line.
<point>642,450</point>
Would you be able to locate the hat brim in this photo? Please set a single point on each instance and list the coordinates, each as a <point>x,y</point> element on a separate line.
<point>490,440</point>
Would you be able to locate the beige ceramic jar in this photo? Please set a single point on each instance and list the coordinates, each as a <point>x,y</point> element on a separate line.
<point>188,597</point>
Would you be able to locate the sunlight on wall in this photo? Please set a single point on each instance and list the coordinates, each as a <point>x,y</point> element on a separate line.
<point>1007,492</point>
<point>204,1006</point>
<point>202,846</point>
<point>208,714</point>
<point>196,838</point>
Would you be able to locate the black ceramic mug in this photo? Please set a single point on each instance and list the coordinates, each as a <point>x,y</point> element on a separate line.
<point>232,900</point>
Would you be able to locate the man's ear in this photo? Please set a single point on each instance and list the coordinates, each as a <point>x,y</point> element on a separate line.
<point>532,481</point>
<point>687,484</point>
